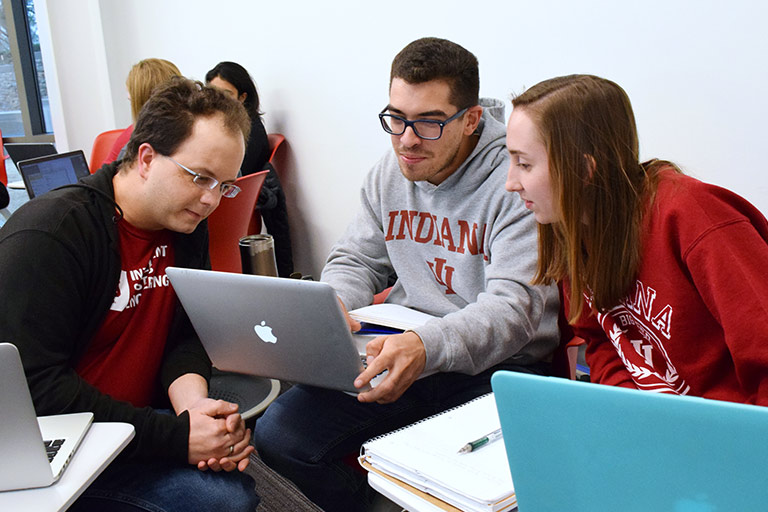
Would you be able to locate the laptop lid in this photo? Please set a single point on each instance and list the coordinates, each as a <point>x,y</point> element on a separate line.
<point>46,173</point>
<point>573,445</point>
<point>287,329</point>
<point>24,462</point>
<point>19,151</point>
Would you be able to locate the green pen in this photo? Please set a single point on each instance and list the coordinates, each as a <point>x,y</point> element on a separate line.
<point>477,443</point>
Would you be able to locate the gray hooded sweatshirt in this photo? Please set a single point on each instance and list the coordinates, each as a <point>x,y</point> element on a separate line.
<point>464,251</point>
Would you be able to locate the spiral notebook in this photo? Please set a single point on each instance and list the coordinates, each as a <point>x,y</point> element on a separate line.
<point>425,456</point>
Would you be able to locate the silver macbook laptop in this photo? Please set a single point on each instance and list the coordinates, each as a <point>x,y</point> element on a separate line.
<point>287,329</point>
<point>33,451</point>
<point>573,445</point>
<point>46,173</point>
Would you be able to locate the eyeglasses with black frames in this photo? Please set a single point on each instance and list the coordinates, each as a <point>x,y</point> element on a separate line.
<point>228,190</point>
<point>427,129</point>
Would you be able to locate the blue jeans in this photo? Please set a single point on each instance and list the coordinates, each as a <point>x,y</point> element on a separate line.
<point>308,433</point>
<point>158,487</point>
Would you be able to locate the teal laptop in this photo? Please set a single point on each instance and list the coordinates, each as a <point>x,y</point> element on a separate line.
<point>576,446</point>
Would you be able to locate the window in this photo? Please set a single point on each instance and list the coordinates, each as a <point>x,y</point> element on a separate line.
<point>24,111</point>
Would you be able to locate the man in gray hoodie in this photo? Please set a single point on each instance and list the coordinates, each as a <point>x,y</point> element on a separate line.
<point>436,224</point>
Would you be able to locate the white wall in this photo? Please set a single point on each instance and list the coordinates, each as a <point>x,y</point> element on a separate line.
<point>75,63</point>
<point>694,69</point>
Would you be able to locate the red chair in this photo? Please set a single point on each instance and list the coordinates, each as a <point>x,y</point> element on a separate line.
<point>3,156</point>
<point>226,226</point>
<point>565,355</point>
<point>275,141</point>
<point>380,297</point>
<point>229,223</point>
<point>101,148</point>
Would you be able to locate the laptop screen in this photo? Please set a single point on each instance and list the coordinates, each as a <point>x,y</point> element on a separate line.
<point>579,446</point>
<point>19,151</point>
<point>43,174</point>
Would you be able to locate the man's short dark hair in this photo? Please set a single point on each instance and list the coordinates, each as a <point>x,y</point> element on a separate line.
<point>431,58</point>
<point>166,119</point>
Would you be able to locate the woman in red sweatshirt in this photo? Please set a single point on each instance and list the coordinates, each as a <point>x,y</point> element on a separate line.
<point>664,276</point>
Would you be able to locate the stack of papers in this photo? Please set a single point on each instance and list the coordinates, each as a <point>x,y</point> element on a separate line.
<point>391,315</point>
<point>425,456</point>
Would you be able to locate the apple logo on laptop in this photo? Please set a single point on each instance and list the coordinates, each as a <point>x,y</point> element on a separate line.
<point>264,332</point>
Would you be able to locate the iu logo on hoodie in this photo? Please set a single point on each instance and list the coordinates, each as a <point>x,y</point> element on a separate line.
<point>443,274</point>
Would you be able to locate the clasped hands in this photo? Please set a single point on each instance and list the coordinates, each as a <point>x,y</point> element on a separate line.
<point>218,439</point>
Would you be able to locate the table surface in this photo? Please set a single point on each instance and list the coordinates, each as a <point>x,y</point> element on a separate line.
<point>102,443</point>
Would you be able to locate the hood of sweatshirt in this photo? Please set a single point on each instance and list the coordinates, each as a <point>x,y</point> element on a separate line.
<point>488,153</point>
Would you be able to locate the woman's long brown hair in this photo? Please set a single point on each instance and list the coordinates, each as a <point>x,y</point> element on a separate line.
<point>599,185</point>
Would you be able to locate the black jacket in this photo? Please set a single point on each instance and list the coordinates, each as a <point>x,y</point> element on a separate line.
<point>274,212</point>
<point>256,150</point>
<point>59,271</point>
<point>271,203</point>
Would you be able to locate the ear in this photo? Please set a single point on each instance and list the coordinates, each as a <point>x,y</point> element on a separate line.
<point>144,157</point>
<point>472,119</point>
<point>242,97</point>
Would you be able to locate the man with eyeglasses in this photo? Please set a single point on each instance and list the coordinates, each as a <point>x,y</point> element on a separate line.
<point>87,302</point>
<point>436,225</point>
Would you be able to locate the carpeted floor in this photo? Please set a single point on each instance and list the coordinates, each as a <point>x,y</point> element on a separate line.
<point>277,494</point>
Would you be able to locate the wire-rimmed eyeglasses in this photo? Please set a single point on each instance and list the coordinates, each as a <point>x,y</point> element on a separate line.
<point>427,129</point>
<point>228,190</point>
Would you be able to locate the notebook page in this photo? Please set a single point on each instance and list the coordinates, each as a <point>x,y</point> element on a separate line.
<point>425,455</point>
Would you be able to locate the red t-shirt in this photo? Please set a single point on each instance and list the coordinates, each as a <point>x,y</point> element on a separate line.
<point>124,356</point>
<point>695,321</point>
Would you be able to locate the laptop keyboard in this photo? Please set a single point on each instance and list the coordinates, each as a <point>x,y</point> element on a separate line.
<point>52,447</point>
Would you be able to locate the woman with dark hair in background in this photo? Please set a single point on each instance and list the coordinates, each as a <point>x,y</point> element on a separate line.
<point>234,80</point>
